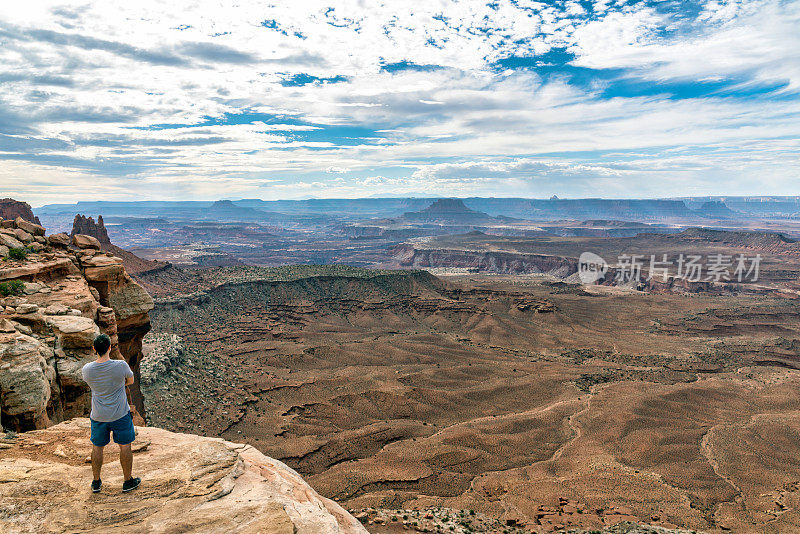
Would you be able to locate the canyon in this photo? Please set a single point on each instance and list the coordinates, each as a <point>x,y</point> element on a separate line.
<point>364,232</point>
<point>467,381</point>
<point>538,404</point>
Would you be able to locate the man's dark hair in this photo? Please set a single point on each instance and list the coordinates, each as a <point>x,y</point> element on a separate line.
<point>101,344</point>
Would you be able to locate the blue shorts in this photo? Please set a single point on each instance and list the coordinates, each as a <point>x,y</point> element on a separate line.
<point>122,428</point>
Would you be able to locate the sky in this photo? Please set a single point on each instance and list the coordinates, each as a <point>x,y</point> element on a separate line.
<point>202,100</point>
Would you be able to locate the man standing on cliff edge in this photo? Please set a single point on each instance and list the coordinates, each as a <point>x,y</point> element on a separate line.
<point>111,412</point>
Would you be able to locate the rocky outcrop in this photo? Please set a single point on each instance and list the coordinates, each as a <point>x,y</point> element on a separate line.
<point>86,226</point>
<point>55,297</point>
<point>10,209</point>
<point>94,235</point>
<point>163,354</point>
<point>189,484</point>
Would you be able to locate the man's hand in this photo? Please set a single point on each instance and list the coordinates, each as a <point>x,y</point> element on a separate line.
<point>132,407</point>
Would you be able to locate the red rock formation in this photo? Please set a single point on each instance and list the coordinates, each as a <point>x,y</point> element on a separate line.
<point>61,296</point>
<point>11,209</point>
<point>133,264</point>
<point>87,226</point>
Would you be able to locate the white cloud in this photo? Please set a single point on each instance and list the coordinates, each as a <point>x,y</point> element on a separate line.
<point>754,38</point>
<point>81,88</point>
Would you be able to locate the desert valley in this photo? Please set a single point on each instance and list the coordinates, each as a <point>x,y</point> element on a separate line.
<point>439,368</point>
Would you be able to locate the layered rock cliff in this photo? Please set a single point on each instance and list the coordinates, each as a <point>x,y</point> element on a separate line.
<point>56,295</point>
<point>189,484</point>
<point>410,256</point>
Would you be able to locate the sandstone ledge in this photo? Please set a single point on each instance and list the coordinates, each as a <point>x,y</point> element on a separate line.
<point>189,484</point>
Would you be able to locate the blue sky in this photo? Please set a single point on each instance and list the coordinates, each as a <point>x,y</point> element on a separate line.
<point>192,100</point>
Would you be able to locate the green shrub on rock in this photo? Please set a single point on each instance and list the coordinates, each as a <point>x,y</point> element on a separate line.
<point>17,253</point>
<point>13,287</point>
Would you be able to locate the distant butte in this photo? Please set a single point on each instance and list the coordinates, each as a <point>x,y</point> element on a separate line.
<point>448,205</point>
<point>716,209</point>
<point>450,210</point>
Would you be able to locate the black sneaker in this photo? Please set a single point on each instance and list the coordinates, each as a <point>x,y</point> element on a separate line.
<point>97,485</point>
<point>131,484</point>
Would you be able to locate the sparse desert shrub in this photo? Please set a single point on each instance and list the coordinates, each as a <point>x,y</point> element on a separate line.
<point>13,287</point>
<point>17,253</point>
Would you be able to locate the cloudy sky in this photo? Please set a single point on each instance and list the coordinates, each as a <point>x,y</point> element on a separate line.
<point>243,99</point>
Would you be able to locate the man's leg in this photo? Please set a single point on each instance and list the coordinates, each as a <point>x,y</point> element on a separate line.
<point>97,461</point>
<point>124,434</point>
<point>126,460</point>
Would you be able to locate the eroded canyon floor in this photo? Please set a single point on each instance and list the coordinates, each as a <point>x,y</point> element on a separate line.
<point>540,405</point>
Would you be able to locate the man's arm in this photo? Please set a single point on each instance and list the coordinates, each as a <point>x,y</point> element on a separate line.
<point>128,382</point>
<point>128,394</point>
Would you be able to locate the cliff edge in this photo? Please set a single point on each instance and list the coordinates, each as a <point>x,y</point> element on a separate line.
<point>189,484</point>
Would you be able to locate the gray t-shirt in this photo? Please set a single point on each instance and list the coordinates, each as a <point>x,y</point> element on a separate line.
<point>107,380</point>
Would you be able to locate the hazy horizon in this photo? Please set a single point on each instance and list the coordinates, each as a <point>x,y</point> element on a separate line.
<point>433,197</point>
